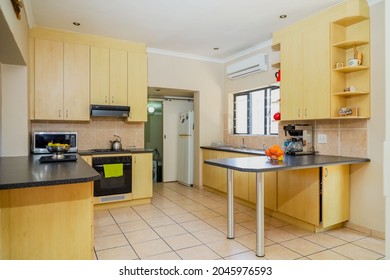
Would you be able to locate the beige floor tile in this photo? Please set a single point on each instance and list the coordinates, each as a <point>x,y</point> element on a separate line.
<point>194,226</point>
<point>101,214</point>
<point>151,248</point>
<point>278,252</point>
<point>346,234</point>
<point>227,247</point>
<point>296,231</point>
<point>170,230</point>
<point>141,236</point>
<point>373,244</point>
<point>182,218</point>
<point>133,226</point>
<point>182,241</point>
<point>249,255</point>
<point>248,240</point>
<point>327,255</point>
<point>356,253</point>
<point>217,221</point>
<point>210,235</point>
<point>107,230</point>
<point>124,215</point>
<point>174,210</point>
<point>243,217</point>
<point>205,214</point>
<point>150,214</point>
<point>302,246</point>
<point>238,230</point>
<point>110,241</point>
<point>105,221</point>
<point>193,207</point>
<point>163,204</point>
<point>201,252</point>
<point>118,253</point>
<point>278,235</point>
<point>164,256</point>
<point>274,222</point>
<point>325,240</point>
<point>160,221</point>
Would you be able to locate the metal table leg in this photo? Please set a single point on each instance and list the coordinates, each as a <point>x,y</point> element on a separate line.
<point>260,215</point>
<point>230,204</point>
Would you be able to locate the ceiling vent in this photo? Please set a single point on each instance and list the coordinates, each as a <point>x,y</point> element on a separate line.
<point>247,66</point>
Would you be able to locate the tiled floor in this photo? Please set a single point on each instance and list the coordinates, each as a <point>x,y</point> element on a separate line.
<point>190,224</point>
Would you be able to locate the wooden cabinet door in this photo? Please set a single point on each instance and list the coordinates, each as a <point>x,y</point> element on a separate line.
<point>240,179</point>
<point>335,194</point>
<point>213,176</point>
<point>49,80</point>
<point>76,82</point>
<point>270,189</point>
<point>291,77</point>
<point>100,76</point>
<point>299,194</point>
<point>137,87</point>
<point>316,74</point>
<point>142,179</point>
<point>118,77</point>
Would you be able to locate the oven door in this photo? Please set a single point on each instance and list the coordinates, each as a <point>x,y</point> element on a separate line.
<point>113,185</point>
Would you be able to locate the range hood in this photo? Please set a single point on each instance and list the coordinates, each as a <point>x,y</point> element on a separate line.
<point>110,111</point>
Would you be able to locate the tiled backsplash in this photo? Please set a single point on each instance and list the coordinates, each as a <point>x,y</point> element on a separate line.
<point>344,137</point>
<point>98,132</point>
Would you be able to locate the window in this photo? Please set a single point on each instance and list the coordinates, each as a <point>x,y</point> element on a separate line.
<point>254,110</point>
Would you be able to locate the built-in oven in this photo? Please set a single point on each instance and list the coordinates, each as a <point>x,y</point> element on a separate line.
<point>116,174</point>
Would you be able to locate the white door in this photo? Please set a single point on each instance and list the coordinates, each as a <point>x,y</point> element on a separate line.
<point>171,110</point>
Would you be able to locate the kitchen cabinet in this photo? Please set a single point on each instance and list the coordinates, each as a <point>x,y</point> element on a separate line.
<point>137,87</point>
<point>108,76</point>
<point>350,84</point>
<point>142,179</point>
<point>305,73</point>
<point>61,80</point>
<point>244,182</point>
<point>317,196</point>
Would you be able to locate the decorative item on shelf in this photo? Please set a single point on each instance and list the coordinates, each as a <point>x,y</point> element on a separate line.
<point>348,112</point>
<point>274,153</point>
<point>350,89</point>
<point>277,116</point>
<point>357,58</point>
<point>339,65</point>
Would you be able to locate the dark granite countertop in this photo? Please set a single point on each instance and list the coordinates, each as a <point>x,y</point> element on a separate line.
<point>261,164</point>
<point>27,171</point>
<point>250,151</point>
<point>124,151</point>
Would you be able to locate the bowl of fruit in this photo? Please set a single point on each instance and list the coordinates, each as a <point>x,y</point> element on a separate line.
<point>274,153</point>
<point>58,149</point>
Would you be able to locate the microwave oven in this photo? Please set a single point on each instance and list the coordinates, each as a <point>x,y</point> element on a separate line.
<point>40,140</point>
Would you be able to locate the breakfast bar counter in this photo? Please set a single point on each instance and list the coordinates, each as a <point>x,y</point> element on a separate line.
<point>46,209</point>
<point>261,164</point>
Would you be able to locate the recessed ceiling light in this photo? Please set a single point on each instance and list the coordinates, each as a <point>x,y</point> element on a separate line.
<point>283,16</point>
<point>75,23</point>
<point>216,49</point>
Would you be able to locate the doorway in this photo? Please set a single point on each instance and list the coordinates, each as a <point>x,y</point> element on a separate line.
<point>161,129</point>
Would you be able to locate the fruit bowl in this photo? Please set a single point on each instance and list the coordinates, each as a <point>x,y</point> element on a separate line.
<point>58,150</point>
<point>274,153</point>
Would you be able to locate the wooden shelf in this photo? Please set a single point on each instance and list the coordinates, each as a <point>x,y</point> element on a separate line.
<point>350,69</point>
<point>350,93</point>
<point>348,44</point>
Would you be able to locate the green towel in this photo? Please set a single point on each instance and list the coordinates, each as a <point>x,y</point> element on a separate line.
<point>113,170</point>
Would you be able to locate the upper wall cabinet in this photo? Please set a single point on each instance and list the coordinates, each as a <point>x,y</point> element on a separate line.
<point>108,76</point>
<point>324,62</point>
<point>61,81</point>
<point>137,87</point>
<point>69,71</point>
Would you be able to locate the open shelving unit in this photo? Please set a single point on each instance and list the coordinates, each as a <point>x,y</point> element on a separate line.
<point>349,35</point>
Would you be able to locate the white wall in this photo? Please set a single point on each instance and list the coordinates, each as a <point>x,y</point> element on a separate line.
<point>207,80</point>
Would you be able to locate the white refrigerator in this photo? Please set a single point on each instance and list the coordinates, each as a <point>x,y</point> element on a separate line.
<point>185,153</point>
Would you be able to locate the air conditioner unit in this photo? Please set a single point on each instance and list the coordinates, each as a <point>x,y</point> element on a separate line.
<point>247,66</point>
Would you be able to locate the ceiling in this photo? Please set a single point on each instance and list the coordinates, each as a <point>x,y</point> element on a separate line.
<point>191,28</point>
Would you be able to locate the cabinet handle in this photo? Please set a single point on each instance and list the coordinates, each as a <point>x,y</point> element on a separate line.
<point>105,99</point>
<point>305,112</point>
<point>299,112</point>
<point>59,113</point>
<point>326,172</point>
<point>112,99</point>
<point>67,116</point>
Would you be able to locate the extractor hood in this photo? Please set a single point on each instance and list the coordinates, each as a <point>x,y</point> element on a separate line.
<point>110,111</point>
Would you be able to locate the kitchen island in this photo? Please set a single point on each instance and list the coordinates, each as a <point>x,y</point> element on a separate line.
<point>46,209</point>
<point>261,164</point>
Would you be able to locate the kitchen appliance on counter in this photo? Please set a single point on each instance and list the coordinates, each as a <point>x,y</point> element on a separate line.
<point>41,139</point>
<point>300,141</point>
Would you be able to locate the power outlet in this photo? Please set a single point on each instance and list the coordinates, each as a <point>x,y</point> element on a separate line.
<point>322,139</point>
